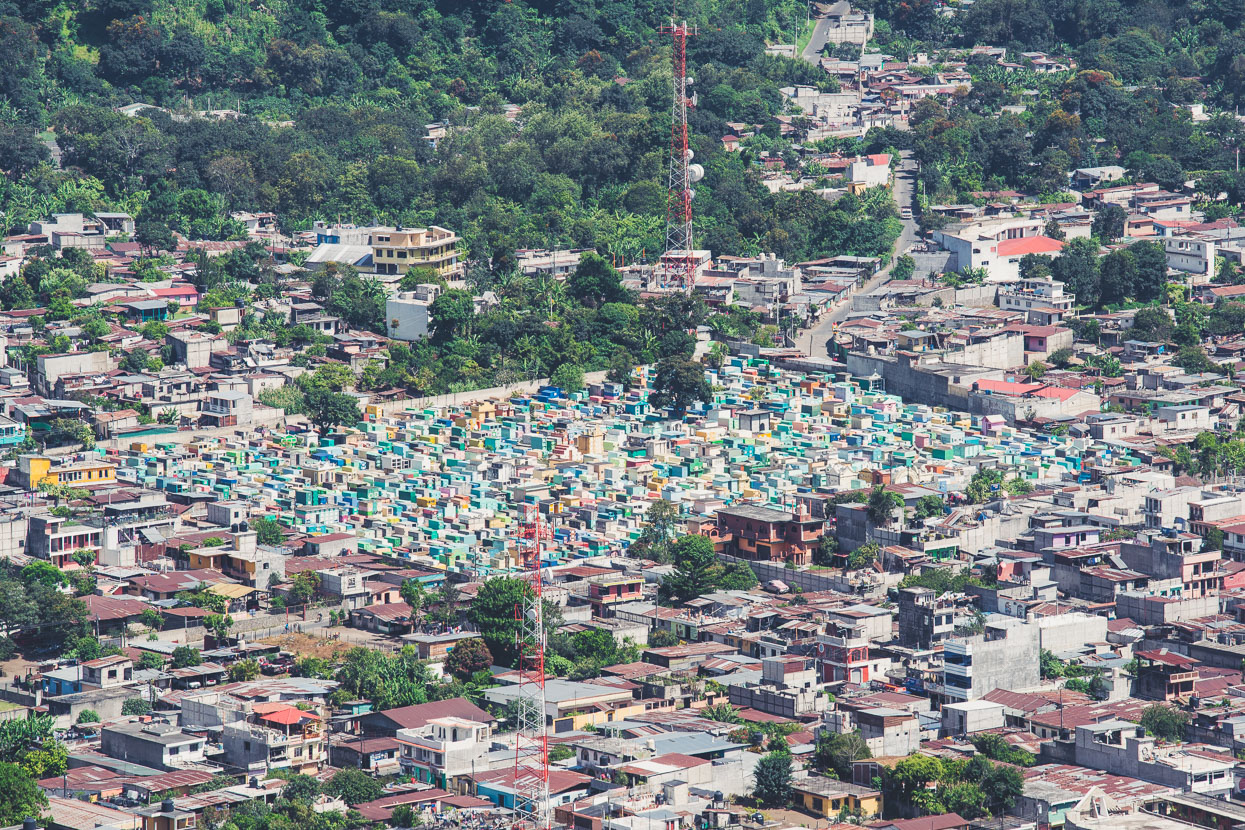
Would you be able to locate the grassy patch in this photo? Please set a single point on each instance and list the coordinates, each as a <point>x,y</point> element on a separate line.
<point>801,43</point>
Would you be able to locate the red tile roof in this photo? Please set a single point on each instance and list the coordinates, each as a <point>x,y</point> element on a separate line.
<point>1029,245</point>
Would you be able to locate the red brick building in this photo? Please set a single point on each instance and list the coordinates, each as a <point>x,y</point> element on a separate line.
<point>766,534</point>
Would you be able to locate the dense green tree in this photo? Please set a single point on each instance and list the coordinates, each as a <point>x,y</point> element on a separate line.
<point>1164,722</point>
<point>20,796</point>
<point>679,383</point>
<point>594,281</point>
<point>135,706</point>
<point>1154,324</point>
<point>568,377</point>
<point>1108,223</point>
<point>696,569</point>
<point>468,657</point>
<point>1119,277</point>
<point>658,533</point>
<point>267,530</point>
<point>354,786</point>
<point>772,780</point>
<point>1193,359</point>
<point>184,656</point>
<point>328,410</point>
<point>838,751</point>
<point>154,237</point>
<point>1077,266</point>
<point>882,505</point>
<point>450,314</point>
<point>492,612</point>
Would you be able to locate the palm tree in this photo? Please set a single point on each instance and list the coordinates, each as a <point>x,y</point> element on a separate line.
<point>881,505</point>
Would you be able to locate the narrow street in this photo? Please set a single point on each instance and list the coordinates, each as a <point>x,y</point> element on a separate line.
<point>812,52</point>
<point>812,341</point>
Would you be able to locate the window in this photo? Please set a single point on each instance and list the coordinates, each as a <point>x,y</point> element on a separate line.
<point>174,750</point>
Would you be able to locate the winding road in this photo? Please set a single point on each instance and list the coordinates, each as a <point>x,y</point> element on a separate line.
<point>812,341</point>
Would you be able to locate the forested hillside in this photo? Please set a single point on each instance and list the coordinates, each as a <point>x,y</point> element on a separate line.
<point>1140,66</point>
<point>337,96</point>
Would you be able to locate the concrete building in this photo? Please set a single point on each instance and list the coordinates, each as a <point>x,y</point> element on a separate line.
<point>227,408</point>
<point>1034,297</point>
<point>156,745</point>
<point>972,716</point>
<point>1005,656</point>
<point>889,732</point>
<point>1164,507</point>
<point>1193,256</point>
<point>766,534</point>
<point>828,797</point>
<point>190,348</point>
<point>407,312</point>
<point>925,618</point>
<point>1172,554</point>
<point>786,701</point>
<point>397,250</point>
<point>1189,418</point>
<point>277,736</point>
<point>56,539</point>
<point>442,750</point>
<point>1123,748</point>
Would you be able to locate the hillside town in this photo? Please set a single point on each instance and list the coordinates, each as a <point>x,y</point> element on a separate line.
<point>372,465</point>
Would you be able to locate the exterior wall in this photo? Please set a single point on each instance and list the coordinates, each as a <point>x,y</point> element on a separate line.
<point>1009,662</point>
<point>1194,256</point>
<point>1068,631</point>
<point>1125,754</point>
<point>1150,610</point>
<point>407,317</point>
<point>788,703</point>
<point>967,718</point>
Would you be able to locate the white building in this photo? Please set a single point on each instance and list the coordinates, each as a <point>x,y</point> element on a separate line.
<point>443,749</point>
<point>407,312</point>
<point>1037,298</point>
<point>1193,256</point>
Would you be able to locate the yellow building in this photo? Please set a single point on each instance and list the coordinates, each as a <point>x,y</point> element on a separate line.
<point>826,797</point>
<point>33,469</point>
<point>397,250</point>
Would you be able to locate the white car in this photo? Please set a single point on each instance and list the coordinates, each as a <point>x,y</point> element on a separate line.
<point>905,213</point>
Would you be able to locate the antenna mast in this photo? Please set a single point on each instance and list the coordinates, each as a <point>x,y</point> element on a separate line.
<point>531,745</point>
<point>680,257</point>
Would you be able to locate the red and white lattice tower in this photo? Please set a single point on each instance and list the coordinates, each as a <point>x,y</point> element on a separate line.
<point>531,748</point>
<point>680,256</point>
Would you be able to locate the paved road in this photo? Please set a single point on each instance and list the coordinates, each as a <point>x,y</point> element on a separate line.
<point>813,341</point>
<point>812,52</point>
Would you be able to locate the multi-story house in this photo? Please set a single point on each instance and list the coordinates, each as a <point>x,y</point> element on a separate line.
<point>56,538</point>
<point>276,736</point>
<point>443,749</point>
<point>608,590</point>
<point>1041,299</point>
<point>397,250</point>
<point>1005,656</point>
<point>1172,554</point>
<point>763,533</point>
<point>157,745</point>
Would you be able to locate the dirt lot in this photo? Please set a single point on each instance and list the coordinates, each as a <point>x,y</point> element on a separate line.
<point>305,645</point>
